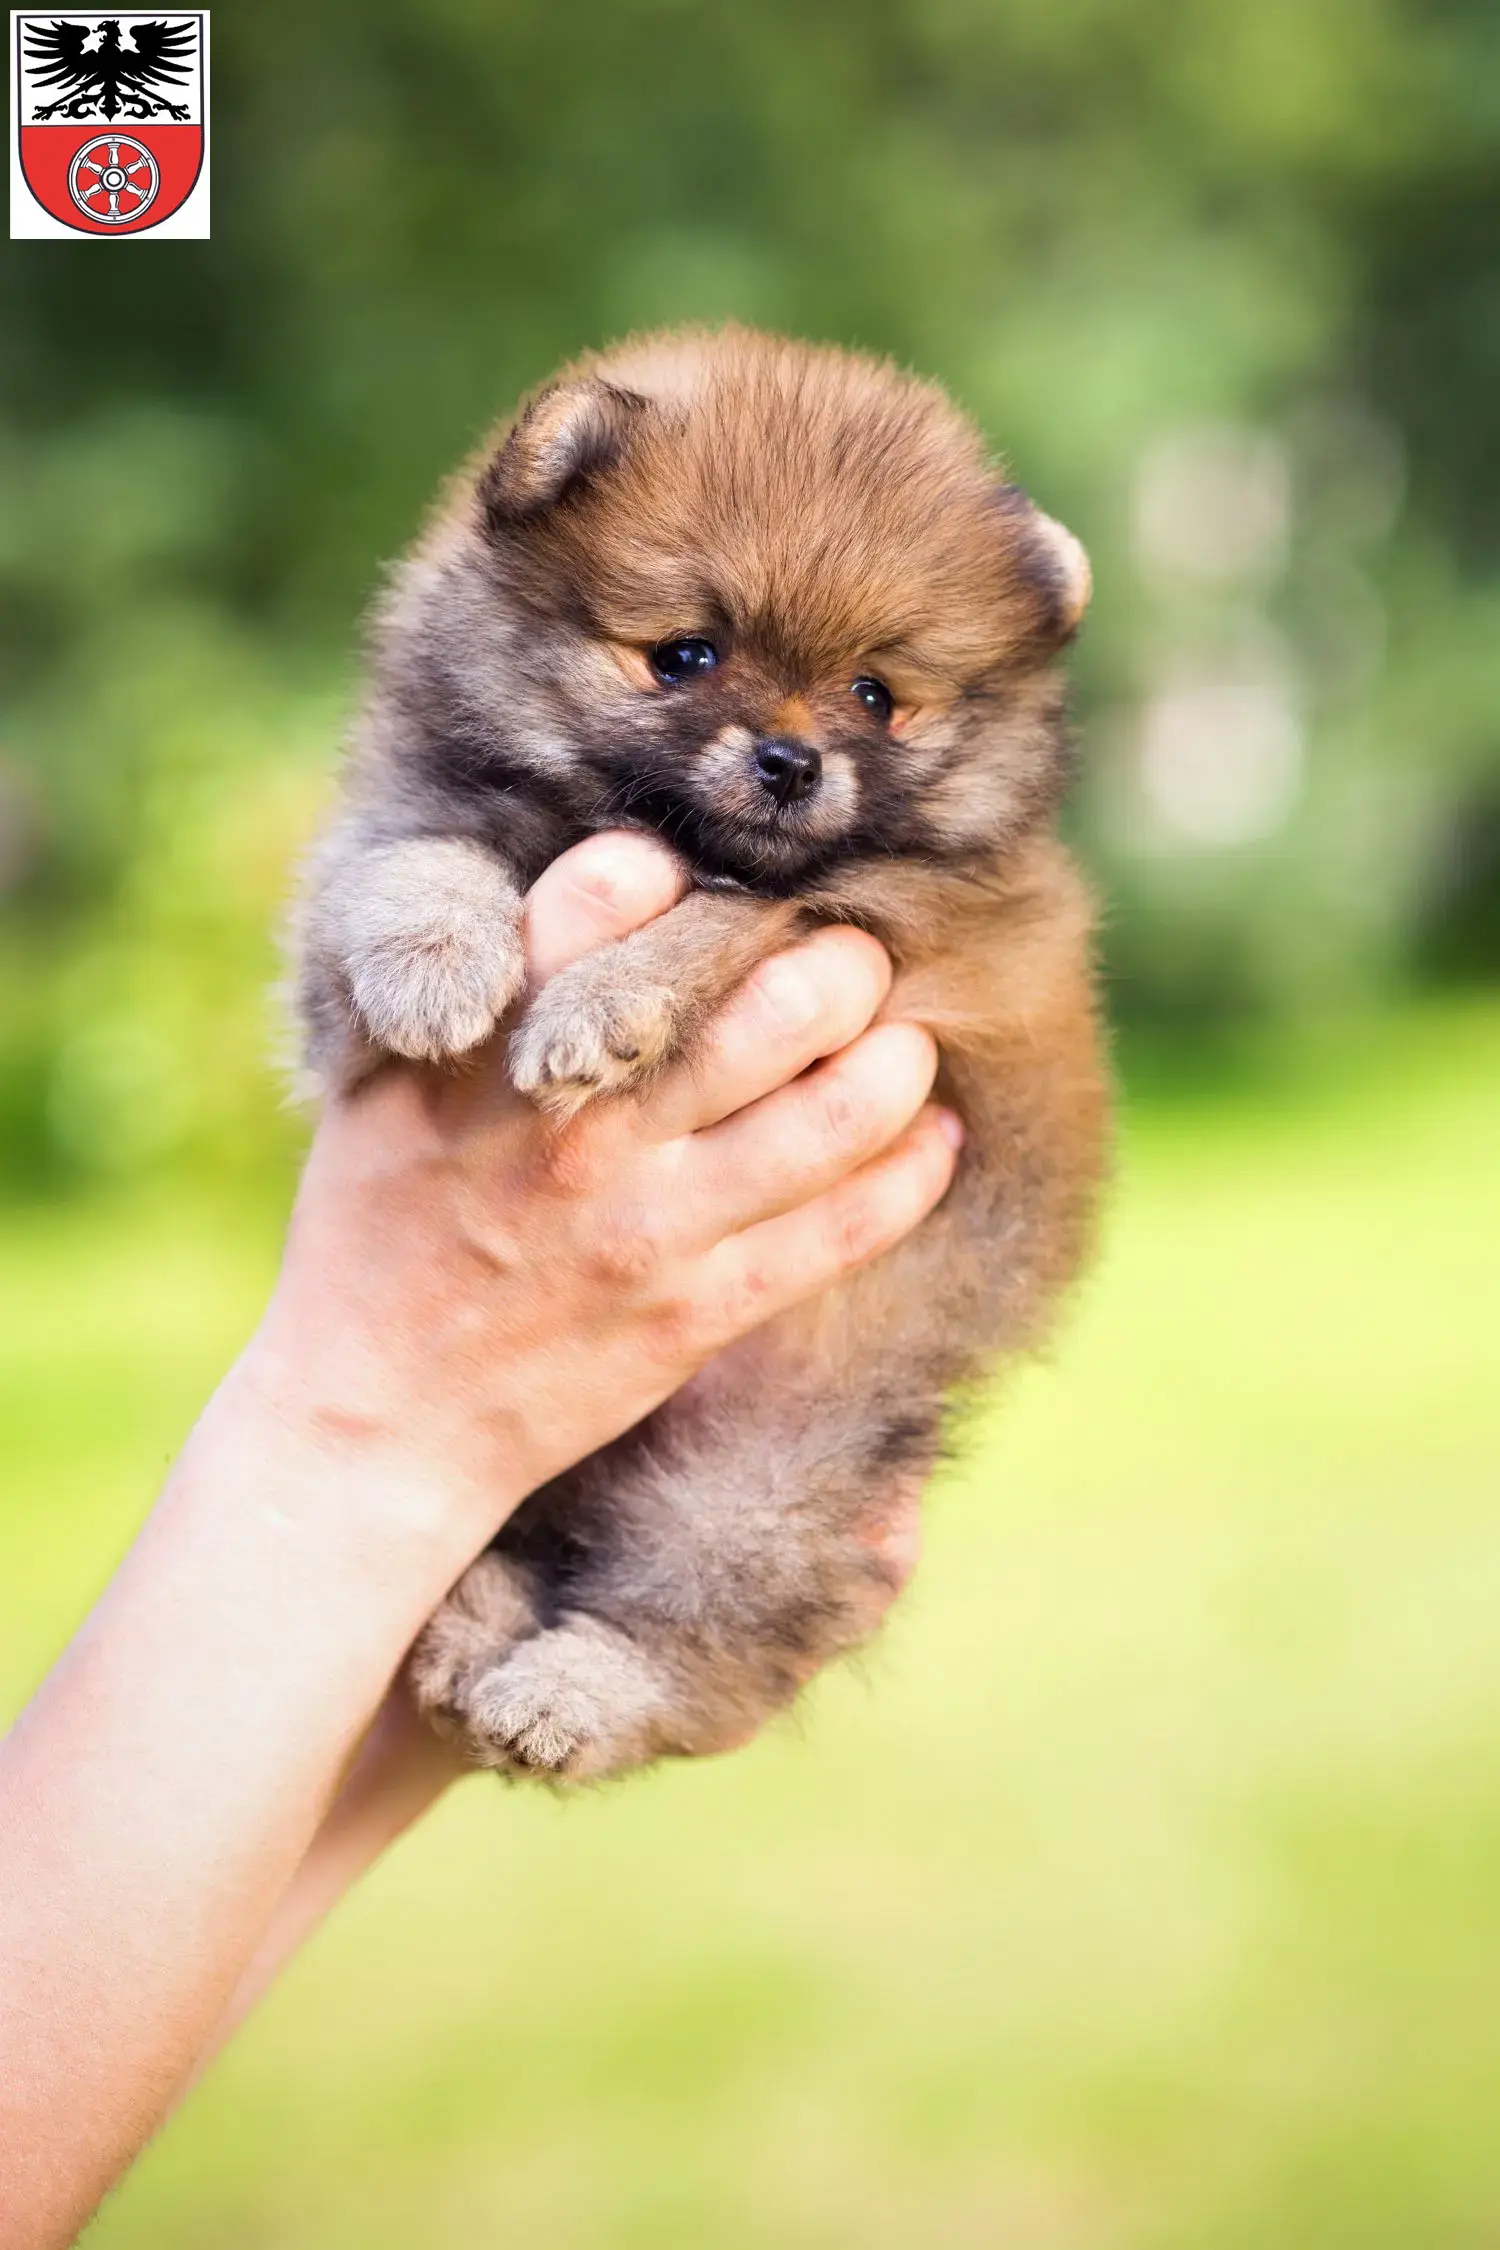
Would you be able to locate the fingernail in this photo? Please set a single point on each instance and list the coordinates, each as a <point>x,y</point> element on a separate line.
<point>627,874</point>
<point>951,1127</point>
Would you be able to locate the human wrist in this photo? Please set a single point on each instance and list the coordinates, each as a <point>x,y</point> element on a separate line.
<point>365,1490</point>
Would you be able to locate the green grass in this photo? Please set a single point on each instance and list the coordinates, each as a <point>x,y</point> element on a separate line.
<point>1140,1892</point>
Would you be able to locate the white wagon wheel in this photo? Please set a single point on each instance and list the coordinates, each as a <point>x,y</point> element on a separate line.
<point>128,171</point>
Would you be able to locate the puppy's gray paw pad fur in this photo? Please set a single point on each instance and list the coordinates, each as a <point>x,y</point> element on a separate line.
<point>578,1042</point>
<point>434,954</point>
<point>434,999</point>
<point>576,1703</point>
<point>489,1613</point>
<point>533,1714</point>
<point>527,1730</point>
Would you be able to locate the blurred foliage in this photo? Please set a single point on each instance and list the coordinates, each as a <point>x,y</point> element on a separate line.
<point>1221,282</point>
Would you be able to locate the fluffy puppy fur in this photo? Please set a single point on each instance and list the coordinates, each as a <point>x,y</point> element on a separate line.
<point>880,739</point>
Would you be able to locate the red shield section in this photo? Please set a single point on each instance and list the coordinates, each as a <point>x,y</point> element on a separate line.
<point>111,179</point>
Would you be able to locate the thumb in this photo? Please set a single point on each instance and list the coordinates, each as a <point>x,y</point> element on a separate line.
<point>602,889</point>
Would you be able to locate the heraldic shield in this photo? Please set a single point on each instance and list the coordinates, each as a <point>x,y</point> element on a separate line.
<point>111,117</point>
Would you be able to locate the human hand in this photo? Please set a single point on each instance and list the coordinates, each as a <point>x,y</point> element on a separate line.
<point>473,1298</point>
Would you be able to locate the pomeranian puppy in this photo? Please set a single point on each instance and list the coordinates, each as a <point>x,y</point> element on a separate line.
<point>771,601</point>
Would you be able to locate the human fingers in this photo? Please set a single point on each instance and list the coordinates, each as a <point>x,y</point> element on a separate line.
<point>779,1262</point>
<point>602,889</point>
<point>794,1008</point>
<point>792,1144</point>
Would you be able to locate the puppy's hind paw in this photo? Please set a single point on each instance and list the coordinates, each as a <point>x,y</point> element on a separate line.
<point>573,1704</point>
<point>493,1608</point>
<point>581,1039</point>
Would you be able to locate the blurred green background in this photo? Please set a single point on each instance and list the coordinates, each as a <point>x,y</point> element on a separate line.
<point>1142,1891</point>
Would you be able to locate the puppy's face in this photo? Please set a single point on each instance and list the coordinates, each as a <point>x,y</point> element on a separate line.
<point>775,605</point>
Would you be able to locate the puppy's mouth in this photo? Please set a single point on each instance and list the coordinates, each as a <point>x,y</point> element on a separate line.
<point>753,813</point>
<point>774,851</point>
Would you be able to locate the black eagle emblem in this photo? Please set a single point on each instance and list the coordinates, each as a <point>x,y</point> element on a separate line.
<point>111,80</point>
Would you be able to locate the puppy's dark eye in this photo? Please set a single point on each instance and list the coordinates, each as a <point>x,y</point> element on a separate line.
<point>875,696</point>
<point>686,659</point>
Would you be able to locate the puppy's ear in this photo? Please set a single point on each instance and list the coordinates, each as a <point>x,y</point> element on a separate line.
<point>1068,564</point>
<point>1052,563</point>
<point>569,432</point>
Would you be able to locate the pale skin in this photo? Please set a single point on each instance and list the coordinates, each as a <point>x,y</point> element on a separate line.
<point>468,1303</point>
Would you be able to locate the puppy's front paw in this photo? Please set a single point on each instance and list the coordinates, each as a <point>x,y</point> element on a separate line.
<point>583,1037</point>
<point>435,954</point>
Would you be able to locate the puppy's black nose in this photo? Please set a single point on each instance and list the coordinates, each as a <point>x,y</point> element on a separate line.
<point>789,770</point>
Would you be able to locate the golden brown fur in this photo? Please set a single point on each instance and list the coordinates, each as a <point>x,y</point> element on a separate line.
<point>815,519</point>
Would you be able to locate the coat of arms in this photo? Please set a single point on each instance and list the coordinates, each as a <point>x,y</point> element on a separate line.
<point>110,124</point>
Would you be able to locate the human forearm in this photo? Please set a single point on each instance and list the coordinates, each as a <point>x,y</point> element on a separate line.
<point>397,1774</point>
<point>164,1787</point>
